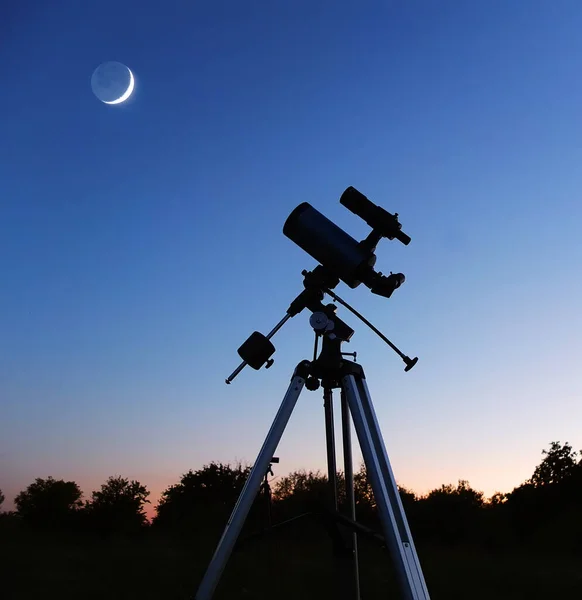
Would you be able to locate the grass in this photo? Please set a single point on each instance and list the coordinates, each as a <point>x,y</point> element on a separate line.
<point>299,565</point>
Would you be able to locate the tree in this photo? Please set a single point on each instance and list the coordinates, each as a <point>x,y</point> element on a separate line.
<point>302,492</point>
<point>1,498</point>
<point>203,498</point>
<point>559,464</point>
<point>496,500</point>
<point>461,494</point>
<point>450,513</point>
<point>49,502</point>
<point>365,501</point>
<point>303,486</point>
<point>118,506</point>
<point>550,499</point>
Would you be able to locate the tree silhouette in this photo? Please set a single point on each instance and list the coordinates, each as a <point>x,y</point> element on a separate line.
<point>497,499</point>
<point>301,486</point>
<point>547,505</point>
<point>49,502</point>
<point>118,506</point>
<point>450,513</point>
<point>543,509</point>
<point>559,464</point>
<point>202,498</point>
<point>407,497</point>
<point>2,498</point>
<point>365,501</point>
<point>460,495</point>
<point>302,492</point>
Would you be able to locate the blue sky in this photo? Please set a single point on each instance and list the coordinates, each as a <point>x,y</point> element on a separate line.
<point>140,244</point>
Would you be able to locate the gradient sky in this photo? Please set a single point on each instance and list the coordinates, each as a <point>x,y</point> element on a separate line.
<point>140,244</point>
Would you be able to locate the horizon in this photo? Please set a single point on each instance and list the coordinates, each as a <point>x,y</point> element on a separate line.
<point>141,243</point>
<point>155,496</point>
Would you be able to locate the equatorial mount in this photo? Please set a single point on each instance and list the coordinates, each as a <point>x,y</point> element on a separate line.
<point>258,349</point>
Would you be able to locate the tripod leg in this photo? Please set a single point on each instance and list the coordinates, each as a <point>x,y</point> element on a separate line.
<point>330,442</point>
<point>349,486</point>
<point>343,551</point>
<point>391,511</point>
<point>249,492</point>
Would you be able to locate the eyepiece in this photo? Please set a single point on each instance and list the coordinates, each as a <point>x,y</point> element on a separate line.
<point>403,238</point>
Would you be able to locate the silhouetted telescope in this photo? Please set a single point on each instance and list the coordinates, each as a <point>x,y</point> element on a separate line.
<point>341,255</point>
<point>341,258</point>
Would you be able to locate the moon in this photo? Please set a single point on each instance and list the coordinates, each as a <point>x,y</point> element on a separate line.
<point>127,92</point>
<point>112,82</point>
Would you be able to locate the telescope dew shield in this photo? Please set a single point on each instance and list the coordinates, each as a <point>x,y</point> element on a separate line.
<point>328,244</point>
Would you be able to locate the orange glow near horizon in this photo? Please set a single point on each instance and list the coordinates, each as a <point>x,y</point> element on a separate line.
<point>416,478</point>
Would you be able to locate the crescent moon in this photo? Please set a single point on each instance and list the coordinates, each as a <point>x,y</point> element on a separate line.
<point>127,92</point>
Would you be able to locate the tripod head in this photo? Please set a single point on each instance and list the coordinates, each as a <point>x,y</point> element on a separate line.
<point>342,258</point>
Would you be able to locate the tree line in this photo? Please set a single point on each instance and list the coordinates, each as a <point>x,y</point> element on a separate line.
<point>544,509</point>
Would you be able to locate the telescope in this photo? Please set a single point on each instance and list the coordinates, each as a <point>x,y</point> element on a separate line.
<point>349,260</point>
<point>341,258</point>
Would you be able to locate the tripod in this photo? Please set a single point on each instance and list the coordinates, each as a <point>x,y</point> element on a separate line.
<point>330,371</point>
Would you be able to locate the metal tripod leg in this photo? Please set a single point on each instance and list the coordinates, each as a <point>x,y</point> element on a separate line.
<point>346,580</point>
<point>390,509</point>
<point>249,492</point>
<point>330,442</point>
<point>350,495</point>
